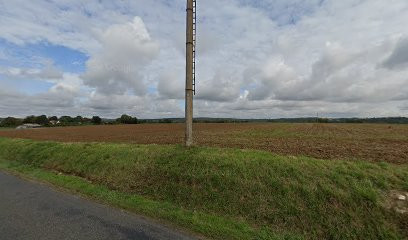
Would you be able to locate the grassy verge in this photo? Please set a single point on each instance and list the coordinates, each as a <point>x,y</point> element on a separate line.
<point>224,193</point>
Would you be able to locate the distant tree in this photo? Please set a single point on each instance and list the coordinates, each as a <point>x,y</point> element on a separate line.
<point>354,120</point>
<point>96,120</point>
<point>66,119</point>
<point>11,122</point>
<point>78,119</point>
<point>86,120</point>
<point>42,120</point>
<point>165,120</point>
<point>126,119</point>
<point>30,119</point>
<point>323,120</point>
<point>53,118</point>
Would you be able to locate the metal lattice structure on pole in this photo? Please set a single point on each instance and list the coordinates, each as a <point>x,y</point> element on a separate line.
<point>194,43</point>
<point>190,67</point>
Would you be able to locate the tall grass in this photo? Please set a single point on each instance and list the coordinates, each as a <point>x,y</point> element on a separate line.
<point>269,195</point>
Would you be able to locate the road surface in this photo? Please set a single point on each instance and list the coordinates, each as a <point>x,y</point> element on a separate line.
<point>34,211</point>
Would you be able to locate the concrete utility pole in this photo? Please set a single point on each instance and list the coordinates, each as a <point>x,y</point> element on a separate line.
<point>190,70</point>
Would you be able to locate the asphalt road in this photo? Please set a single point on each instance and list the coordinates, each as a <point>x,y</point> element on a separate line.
<point>34,211</point>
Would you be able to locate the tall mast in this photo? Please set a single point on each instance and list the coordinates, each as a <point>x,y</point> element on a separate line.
<point>190,69</point>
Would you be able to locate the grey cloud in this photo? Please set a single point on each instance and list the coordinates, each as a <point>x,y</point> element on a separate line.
<point>399,57</point>
<point>337,75</point>
<point>122,103</point>
<point>402,93</point>
<point>141,106</point>
<point>221,88</point>
<point>15,103</point>
<point>404,107</point>
<point>331,62</point>
<point>3,55</point>
<point>171,85</point>
<point>267,105</point>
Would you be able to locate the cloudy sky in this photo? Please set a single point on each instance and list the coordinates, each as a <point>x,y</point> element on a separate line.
<point>256,58</point>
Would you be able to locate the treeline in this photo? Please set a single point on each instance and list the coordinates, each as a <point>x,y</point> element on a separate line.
<point>45,121</point>
<point>392,120</point>
<point>388,120</point>
<point>198,120</point>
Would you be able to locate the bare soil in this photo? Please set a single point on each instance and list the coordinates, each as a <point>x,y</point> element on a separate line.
<point>371,142</point>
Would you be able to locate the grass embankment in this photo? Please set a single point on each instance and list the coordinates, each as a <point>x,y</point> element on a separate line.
<point>224,193</point>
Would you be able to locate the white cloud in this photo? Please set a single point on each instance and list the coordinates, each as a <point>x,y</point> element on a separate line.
<point>20,104</point>
<point>222,87</point>
<point>255,58</point>
<point>126,49</point>
<point>49,72</point>
<point>170,86</point>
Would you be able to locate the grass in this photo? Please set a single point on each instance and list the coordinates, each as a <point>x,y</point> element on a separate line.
<point>224,193</point>
<point>6,128</point>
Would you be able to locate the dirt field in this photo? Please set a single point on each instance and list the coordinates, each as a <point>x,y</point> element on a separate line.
<point>380,143</point>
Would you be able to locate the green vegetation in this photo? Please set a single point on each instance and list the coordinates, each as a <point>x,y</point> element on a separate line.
<point>225,193</point>
<point>43,120</point>
<point>388,120</point>
<point>96,120</point>
<point>10,122</point>
<point>126,119</point>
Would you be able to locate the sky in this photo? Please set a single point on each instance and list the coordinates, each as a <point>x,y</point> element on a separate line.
<point>255,58</point>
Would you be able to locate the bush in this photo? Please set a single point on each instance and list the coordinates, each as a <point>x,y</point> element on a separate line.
<point>66,119</point>
<point>78,119</point>
<point>96,120</point>
<point>42,120</point>
<point>323,120</point>
<point>125,119</point>
<point>53,118</point>
<point>29,119</point>
<point>11,122</point>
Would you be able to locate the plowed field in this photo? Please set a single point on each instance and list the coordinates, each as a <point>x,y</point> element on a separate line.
<point>379,143</point>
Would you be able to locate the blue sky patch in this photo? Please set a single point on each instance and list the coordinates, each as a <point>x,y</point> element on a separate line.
<point>27,86</point>
<point>34,55</point>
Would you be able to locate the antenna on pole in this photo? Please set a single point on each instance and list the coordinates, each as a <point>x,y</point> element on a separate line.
<point>190,67</point>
